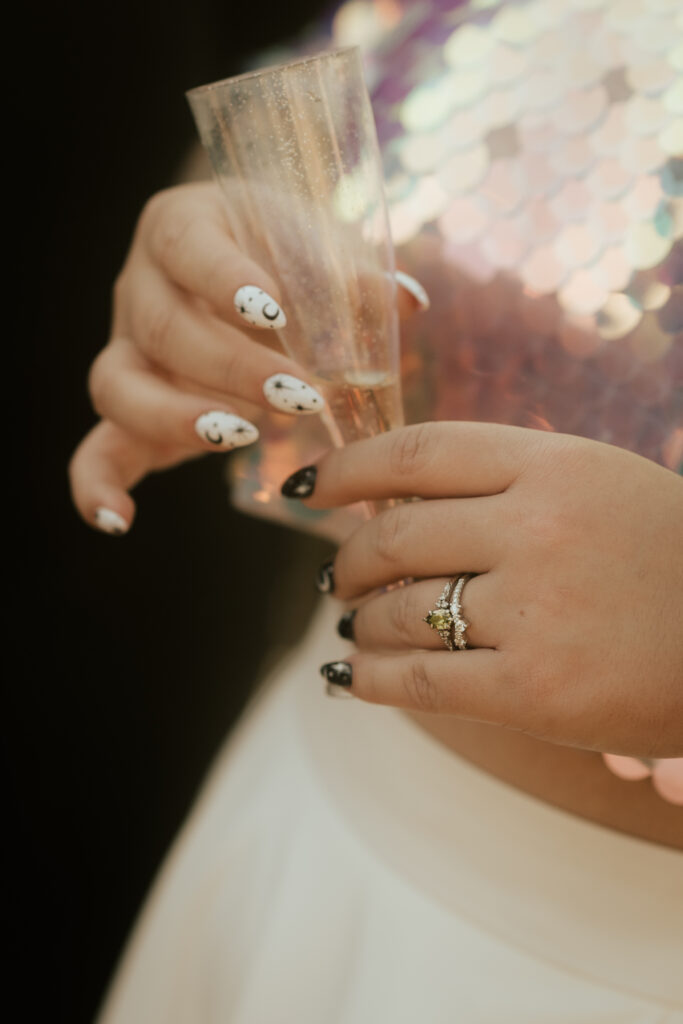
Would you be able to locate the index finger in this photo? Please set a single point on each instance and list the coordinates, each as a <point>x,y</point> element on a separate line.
<point>427,460</point>
<point>189,240</point>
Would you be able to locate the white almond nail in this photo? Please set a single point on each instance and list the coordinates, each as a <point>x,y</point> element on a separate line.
<point>415,289</point>
<point>225,431</point>
<point>110,521</point>
<point>259,308</point>
<point>289,394</point>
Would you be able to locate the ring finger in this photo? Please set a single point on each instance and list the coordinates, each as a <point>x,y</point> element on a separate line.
<point>396,620</point>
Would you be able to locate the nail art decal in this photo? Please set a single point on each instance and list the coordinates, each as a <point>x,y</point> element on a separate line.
<point>415,289</point>
<point>345,624</point>
<point>110,522</point>
<point>259,308</point>
<point>289,394</point>
<point>301,483</point>
<point>225,431</point>
<point>337,672</point>
<point>324,581</point>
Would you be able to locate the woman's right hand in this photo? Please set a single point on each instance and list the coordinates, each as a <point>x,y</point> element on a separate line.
<point>185,370</point>
<point>191,361</point>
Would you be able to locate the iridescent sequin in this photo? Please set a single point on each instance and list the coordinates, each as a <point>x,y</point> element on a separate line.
<point>535,184</point>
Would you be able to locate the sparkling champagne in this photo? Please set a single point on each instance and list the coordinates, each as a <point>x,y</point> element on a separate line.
<point>361,404</point>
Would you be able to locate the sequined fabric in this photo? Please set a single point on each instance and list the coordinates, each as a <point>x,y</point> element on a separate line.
<point>534,169</point>
<point>533,156</point>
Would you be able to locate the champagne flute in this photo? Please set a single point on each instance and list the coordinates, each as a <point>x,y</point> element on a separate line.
<point>295,151</point>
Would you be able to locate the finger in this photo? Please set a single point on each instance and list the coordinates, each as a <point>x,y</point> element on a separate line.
<point>428,460</point>
<point>182,340</point>
<point>395,620</point>
<point>126,391</point>
<point>429,538</point>
<point>102,469</point>
<point>189,241</point>
<point>469,684</point>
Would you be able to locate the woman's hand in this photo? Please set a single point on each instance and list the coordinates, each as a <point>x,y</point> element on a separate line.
<point>577,609</point>
<point>191,361</point>
<point>185,370</point>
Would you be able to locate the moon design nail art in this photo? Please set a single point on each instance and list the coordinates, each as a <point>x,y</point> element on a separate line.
<point>225,431</point>
<point>259,308</point>
<point>289,394</point>
<point>110,522</point>
<point>415,289</point>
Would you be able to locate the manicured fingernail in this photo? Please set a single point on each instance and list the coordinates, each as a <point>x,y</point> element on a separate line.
<point>301,483</point>
<point>324,581</point>
<point>415,289</point>
<point>259,308</point>
<point>225,431</point>
<point>289,394</point>
<point>110,522</point>
<point>345,624</point>
<point>337,672</point>
<point>332,690</point>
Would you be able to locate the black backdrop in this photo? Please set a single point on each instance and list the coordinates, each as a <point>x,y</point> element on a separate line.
<point>126,676</point>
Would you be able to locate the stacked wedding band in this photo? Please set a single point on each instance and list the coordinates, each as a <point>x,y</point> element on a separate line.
<point>446,615</point>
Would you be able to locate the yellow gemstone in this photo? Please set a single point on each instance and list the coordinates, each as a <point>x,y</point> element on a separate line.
<point>439,620</point>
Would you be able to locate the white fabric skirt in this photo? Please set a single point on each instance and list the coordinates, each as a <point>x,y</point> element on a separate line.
<point>340,865</point>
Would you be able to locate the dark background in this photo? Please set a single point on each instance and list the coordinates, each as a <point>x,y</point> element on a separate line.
<point>128,673</point>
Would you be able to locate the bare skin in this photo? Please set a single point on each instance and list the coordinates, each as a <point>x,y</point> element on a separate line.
<point>575,610</point>
<point>578,546</point>
<point>574,780</point>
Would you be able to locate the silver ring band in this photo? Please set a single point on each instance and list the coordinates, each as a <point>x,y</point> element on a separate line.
<point>446,615</point>
<point>459,623</point>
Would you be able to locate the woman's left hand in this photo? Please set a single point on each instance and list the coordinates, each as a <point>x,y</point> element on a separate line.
<point>576,611</point>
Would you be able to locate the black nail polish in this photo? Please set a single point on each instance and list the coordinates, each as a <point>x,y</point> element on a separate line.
<point>337,672</point>
<point>300,484</point>
<point>345,624</point>
<point>324,581</point>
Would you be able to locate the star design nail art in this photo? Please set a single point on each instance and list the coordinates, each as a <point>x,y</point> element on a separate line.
<point>225,431</point>
<point>289,394</point>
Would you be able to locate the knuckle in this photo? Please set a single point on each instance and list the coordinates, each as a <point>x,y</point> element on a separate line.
<point>411,450</point>
<point>549,528</point>
<point>217,273</point>
<point>538,679</point>
<point>155,326</point>
<point>154,208</point>
<point>171,232</point>
<point>98,382</point>
<point>235,371</point>
<point>390,534</point>
<point>420,688</point>
<point>401,617</point>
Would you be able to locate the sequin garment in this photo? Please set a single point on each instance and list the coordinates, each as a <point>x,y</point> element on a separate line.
<point>533,157</point>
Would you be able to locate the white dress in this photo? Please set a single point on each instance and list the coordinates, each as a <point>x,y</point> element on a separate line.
<point>342,866</point>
